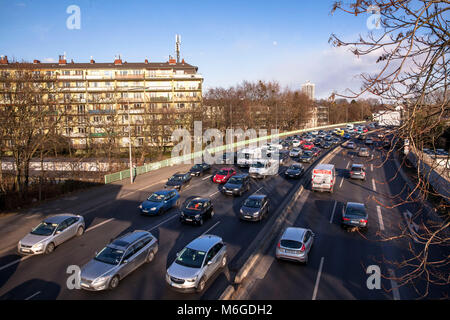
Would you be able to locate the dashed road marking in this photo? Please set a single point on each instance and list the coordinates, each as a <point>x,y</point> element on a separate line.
<point>98,225</point>
<point>395,291</point>
<point>14,262</point>
<point>161,223</point>
<point>380,218</point>
<point>316,286</point>
<point>211,228</point>
<point>213,194</point>
<point>332,214</point>
<point>373,185</point>
<point>342,181</point>
<point>207,177</point>
<point>32,296</point>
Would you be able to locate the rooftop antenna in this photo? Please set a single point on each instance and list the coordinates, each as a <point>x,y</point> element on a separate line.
<point>177,46</point>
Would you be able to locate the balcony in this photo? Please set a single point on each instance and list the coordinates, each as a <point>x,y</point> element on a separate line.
<point>129,76</point>
<point>159,99</point>
<point>101,111</point>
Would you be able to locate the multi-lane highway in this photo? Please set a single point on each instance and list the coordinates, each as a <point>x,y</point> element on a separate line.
<point>336,269</point>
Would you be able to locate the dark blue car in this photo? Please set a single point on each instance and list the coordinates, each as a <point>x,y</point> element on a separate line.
<point>160,202</point>
<point>347,136</point>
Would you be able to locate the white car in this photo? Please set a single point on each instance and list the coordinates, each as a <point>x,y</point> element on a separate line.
<point>263,168</point>
<point>296,152</point>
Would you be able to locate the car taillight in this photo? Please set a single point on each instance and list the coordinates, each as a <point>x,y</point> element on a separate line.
<point>351,172</point>
<point>345,219</point>
<point>279,244</point>
<point>302,249</point>
<point>363,221</point>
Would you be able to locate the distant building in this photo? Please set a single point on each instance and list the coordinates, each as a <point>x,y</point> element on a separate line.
<point>389,117</point>
<point>309,89</point>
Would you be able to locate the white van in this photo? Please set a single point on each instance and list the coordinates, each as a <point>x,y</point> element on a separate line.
<point>350,126</point>
<point>248,156</point>
<point>262,168</point>
<point>323,178</point>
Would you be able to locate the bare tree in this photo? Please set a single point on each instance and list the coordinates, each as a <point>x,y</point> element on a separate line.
<point>412,47</point>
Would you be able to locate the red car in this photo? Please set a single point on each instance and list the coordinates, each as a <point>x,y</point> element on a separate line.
<point>223,175</point>
<point>365,130</point>
<point>308,146</point>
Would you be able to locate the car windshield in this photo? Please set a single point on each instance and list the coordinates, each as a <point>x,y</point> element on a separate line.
<point>195,205</point>
<point>176,178</point>
<point>197,167</point>
<point>357,169</point>
<point>223,172</point>
<point>235,180</point>
<point>191,258</point>
<point>292,244</point>
<point>44,229</point>
<point>307,154</point>
<point>355,211</point>
<point>258,165</point>
<point>295,167</point>
<point>253,203</point>
<point>110,256</point>
<point>156,197</point>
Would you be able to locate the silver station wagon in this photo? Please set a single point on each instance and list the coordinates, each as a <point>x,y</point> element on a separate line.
<point>196,263</point>
<point>51,233</point>
<point>295,244</point>
<point>118,259</point>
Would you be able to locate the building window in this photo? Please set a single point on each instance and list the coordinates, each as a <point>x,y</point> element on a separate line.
<point>140,142</point>
<point>81,130</point>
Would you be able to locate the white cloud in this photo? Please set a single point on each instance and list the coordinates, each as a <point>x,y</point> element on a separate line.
<point>49,60</point>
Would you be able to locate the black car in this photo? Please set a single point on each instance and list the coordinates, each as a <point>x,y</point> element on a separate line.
<point>327,145</point>
<point>354,215</point>
<point>328,138</point>
<point>196,210</point>
<point>255,208</point>
<point>316,152</point>
<point>237,185</point>
<point>178,180</point>
<point>294,171</point>
<point>200,169</point>
<point>307,156</point>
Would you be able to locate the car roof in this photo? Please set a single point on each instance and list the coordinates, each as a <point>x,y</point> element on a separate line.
<point>124,241</point>
<point>227,168</point>
<point>356,205</point>
<point>204,242</point>
<point>357,165</point>
<point>293,233</point>
<point>59,218</point>
<point>257,196</point>
<point>200,199</point>
<point>241,175</point>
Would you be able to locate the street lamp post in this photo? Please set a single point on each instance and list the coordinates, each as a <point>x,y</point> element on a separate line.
<point>129,145</point>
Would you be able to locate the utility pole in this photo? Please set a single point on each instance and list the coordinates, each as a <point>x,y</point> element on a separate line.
<point>129,144</point>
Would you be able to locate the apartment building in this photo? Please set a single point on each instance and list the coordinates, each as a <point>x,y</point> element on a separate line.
<point>108,102</point>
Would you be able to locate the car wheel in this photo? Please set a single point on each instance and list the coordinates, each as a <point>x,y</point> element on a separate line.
<point>201,221</point>
<point>150,257</point>
<point>50,248</point>
<point>114,282</point>
<point>80,231</point>
<point>201,285</point>
<point>224,262</point>
<point>211,214</point>
<point>177,204</point>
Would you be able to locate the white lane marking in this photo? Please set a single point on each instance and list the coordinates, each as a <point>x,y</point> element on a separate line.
<point>394,285</point>
<point>213,194</point>
<point>342,181</point>
<point>14,262</point>
<point>316,287</point>
<point>257,190</point>
<point>161,223</point>
<point>332,214</point>
<point>371,167</point>
<point>373,185</point>
<point>32,296</point>
<point>348,165</point>
<point>412,226</point>
<point>380,218</point>
<point>211,228</point>
<point>140,189</point>
<point>99,224</point>
<point>207,177</point>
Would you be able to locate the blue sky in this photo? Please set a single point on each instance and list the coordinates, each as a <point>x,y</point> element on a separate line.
<point>229,41</point>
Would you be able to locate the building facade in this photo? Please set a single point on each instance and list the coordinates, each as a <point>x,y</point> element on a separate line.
<point>104,102</point>
<point>309,89</point>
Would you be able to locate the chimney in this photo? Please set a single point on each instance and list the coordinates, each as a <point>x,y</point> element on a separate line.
<point>182,61</point>
<point>71,61</point>
<point>146,61</point>
<point>62,59</point>
<point>118,60</point>
<point>172,60</point>
<point>4,60</point>
<point>36,61</point>
<point>92,60</point>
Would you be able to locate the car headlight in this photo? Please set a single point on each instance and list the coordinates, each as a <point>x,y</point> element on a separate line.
<point>140,206</point>
<point>242,211</point>
<point>38,246</point>
<point>100,280</point>
<point>236,189</point>
<point>256,213</point>
<point>191,280</point>
<point>197,216</point>
<point>153,209</point>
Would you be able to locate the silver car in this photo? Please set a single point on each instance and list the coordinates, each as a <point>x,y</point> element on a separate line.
<point>50,233</point>
<point>196,263</point>
<point>363,152</point>
<point>295,153</point>
<point>295,244</point>
<point>118,259</point>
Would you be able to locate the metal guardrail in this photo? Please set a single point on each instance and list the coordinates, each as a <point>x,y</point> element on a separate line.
<point>117,176</point>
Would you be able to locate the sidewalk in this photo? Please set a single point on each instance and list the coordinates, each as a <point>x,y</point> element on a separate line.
<point>15,226</point>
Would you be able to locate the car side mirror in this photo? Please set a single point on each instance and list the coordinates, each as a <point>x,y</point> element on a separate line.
<point>96,253</point>
<point>58,232</point>
<point>125,261</point>
<point>209,262</point>
<point>177,254</point>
